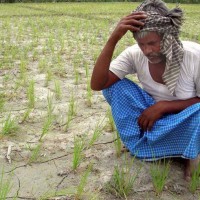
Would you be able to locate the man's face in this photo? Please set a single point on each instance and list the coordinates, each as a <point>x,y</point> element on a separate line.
<point>150,46</point>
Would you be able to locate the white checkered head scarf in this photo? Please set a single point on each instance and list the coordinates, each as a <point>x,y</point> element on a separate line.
<point>167,22</point>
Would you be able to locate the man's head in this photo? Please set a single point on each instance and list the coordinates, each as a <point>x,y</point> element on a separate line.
<point>162,27</point>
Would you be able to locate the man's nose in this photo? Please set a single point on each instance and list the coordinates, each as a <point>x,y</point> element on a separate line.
<point>147,50</point>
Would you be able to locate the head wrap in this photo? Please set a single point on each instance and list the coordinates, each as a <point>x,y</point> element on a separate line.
<point>167,22</point>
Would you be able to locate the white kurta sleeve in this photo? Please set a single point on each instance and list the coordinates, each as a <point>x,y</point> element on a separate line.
<point>125,64</point>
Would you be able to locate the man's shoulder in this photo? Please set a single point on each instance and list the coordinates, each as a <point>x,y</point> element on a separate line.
<point>191,48</point>
<point>134,50</point>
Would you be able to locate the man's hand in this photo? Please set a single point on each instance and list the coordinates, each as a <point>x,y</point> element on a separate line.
<point>151,114</point>
<point>130,22</point>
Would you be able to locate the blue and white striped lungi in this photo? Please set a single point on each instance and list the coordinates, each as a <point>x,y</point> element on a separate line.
<point>174,135</point>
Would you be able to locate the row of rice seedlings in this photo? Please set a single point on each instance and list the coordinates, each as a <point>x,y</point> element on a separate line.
<point>123,179</point>
<point>71,111</point>
<point>49,120</point>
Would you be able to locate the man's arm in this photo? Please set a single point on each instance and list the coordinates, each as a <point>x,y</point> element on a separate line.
<point>101,76</point>
<point>155,112</point>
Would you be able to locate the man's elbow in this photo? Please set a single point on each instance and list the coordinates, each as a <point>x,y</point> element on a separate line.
<point>95,87</point>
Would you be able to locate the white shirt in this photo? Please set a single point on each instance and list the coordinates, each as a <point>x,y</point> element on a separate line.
<point>132,61</point>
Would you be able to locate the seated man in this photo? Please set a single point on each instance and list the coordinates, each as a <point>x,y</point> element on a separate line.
<point>162,119</point>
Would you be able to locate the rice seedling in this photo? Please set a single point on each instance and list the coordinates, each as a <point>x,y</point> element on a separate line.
<point>89,94</point>
<point>42,65</point>
<point>57,89</point>
<point>49,76</point>
<point>111,122</point>
<point>2,101</point>
<point>35,153</point>
<point>31,94</point>
<point>5,186</point>
<point>159,174</point>
<point>71,111</point>
<point>123,179</point>
<point>23,72</point>
<point>80,189</point>
<point>26,115</point>
<point>96,134</point>
<point>49,120</point>
<point>195,180</point>
<point>118,144</point>
<point>79,145</point>
<point>76,76</point>
<point>9,126</point>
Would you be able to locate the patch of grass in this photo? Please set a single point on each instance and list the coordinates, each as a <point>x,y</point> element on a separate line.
<point>159,172</point>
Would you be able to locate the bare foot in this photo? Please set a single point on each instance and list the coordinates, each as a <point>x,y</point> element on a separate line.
<point>190,167</point>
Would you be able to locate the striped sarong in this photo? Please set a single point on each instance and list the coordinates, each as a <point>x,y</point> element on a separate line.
<point>174,135</point>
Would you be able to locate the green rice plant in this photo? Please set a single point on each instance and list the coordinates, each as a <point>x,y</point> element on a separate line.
<point>49,120</point>
<point>42,65</point>
<point>123,179</point>
<point>86,70</point>
<point>2,101</point>
<point>35,153</point>
<point>31,94</point>
<point>5,186</point>
<point>80,189</point>
<point>26,115</point>
<point>71,111</point>
<point>111,122</point>
<point>23,72</point>
<point>57,89</point>
<point>89,94</point>
<point>48,77</point>
<point>195,180</point>
<point>79,145</point>
<point>96,134</point>
<point>159,174</point>
<point>118,144</point>
<point>76,76</point>
<point>9,126</point>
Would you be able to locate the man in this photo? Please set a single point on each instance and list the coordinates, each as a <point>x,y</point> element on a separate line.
<point>162,119</point>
